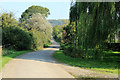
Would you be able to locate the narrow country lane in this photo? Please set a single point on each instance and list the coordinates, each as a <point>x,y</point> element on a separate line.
<point>38,64</point>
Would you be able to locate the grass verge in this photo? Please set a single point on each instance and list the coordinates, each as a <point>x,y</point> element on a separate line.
<point>47,45</point>
<point>7,58</point>
<point>99,66</point>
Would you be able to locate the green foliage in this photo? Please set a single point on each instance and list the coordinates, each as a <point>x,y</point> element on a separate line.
<point>38,39</point>
<point>33,10</point>
<point>69,35</point>
<point>34,21</point>
<point>47,45</point>
<point>90,26</point>
<point>39,23</point>
<point>16,38</point>
<point>7,52</point>
<point>0,36</point>
<point>8,20</point>
<point>0,20</point>
<point>40,29</point>
<point>58,32</point>
<point>32,32</point>
<point>58,22</point>
<point>107,65</point>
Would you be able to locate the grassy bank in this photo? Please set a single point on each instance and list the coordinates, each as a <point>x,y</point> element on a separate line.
<point>10,54</point>
<point>96,65</point>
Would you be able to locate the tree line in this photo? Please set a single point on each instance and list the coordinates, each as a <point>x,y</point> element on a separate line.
<point>92,25</point>
<point>32,31</point>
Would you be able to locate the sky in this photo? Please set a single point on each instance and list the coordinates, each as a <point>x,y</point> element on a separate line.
<point>58,10</point>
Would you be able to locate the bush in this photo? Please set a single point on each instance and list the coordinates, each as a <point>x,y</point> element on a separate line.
<point>16,38</point>
<point>7,52</point>
<point>0,36</point>
<point>62,46</point>
<point>47,45</point>
<point>38,40</point>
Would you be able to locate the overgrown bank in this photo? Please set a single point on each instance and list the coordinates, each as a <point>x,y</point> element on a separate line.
<point>96,65</point>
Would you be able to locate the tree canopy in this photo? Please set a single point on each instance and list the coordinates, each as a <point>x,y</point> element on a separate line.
<point>91,27</point>
<point>34,21</point>
<point>32,10</point>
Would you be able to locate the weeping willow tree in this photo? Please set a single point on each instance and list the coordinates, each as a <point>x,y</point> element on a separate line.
<point>93,23</point>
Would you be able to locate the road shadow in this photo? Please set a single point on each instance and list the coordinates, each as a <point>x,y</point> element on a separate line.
<point>45,55</point>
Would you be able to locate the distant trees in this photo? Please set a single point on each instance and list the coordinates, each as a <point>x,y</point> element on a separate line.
<point>55,22</point>
<point>58,31</point>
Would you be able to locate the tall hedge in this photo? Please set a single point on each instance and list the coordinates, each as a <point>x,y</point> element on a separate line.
<point>16,38</point>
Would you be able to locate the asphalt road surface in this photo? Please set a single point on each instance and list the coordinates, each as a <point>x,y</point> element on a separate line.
<point>38,64</point>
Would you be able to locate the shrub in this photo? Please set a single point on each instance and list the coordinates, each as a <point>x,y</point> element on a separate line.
<point>47,45</point>
<point>16,38</point>
<point>38,40</point>
<point>7,52</point>
<point>0,36</point>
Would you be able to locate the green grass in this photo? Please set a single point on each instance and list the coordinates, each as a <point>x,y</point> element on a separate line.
<point>112,52</point>
<point>11,54</point>
<point>99,66</point>
<point>47,45</point>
